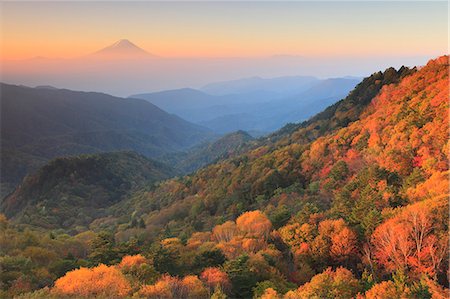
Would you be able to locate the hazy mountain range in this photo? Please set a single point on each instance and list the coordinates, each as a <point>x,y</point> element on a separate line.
<point>253,104</point>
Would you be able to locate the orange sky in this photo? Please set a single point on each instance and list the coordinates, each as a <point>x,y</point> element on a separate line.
<point>68,29</point>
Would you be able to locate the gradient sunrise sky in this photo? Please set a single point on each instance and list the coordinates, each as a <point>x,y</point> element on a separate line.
<point>216,29</point>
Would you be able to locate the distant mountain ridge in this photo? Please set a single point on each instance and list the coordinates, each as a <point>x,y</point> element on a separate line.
<point>286,84</point>
<point>253,104</point>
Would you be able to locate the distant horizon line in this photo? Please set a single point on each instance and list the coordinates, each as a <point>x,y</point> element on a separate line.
<point>154,56</point>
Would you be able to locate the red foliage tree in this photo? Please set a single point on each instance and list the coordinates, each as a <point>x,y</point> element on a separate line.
<point>214,277</point>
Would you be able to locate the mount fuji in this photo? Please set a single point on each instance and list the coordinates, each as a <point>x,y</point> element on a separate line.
<point>122,49</point>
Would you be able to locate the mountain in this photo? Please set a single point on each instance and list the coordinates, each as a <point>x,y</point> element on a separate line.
<point>255,104</point>
<point>250,180</point>
<point>40,124</point>
<point>283,85</point>
<point>316,210</point>
<point>190,104</point>
<point>73,191</point>
<point>122,49</point>
<point>367,176</point>
<point>203,154</point>
<point>268,116</point>
<point>125,72</point>
<point>344,111</point>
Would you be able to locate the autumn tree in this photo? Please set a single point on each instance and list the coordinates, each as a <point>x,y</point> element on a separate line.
<point>330,284</point>
<point>165,287</point>
<point>254,224</point>
<point>270,293</point>
<point>214,278</point>
<point>98,281</point>
<point>411,240</point>
<point>343,244</point>
<point>383,290</point>
<point>225,232</point>
<point>190,287</point>
<point>139,267</point>
<point>130,261</point>
<point>194,288</point>
<point>296,234</point>
<point>198,239</point>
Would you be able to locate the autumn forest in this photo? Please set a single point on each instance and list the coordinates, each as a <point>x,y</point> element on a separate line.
<point>351,203</point>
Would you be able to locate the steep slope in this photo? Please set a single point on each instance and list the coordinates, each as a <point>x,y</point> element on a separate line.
<point>71,192</point>
<point>293,166</point>
<point>361,210</point>
<point>344,111</point>
<point>48,123</point>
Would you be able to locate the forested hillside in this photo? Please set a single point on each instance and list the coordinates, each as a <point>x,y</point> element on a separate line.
<point>69,193</point>
<point>351,204</point>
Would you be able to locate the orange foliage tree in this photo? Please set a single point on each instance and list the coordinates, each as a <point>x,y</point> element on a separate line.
<point>130,261</point>
<point>165,287</point>
<point>254,224</point>
<point>270,293</point>
<point>98,281</point>
<point>172,287</point>
<point>194,288</point>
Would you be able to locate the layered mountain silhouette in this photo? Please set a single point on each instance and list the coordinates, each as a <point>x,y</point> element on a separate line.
<point>285,85</point>
<point>124,68</point>
<point>255,105</point>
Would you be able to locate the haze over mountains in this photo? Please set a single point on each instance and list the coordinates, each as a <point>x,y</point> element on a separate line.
<point>255,104</point>
<point>123,68</point>
<point>366,171</point>
<point>224,150</point>
<point>45,122</point>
